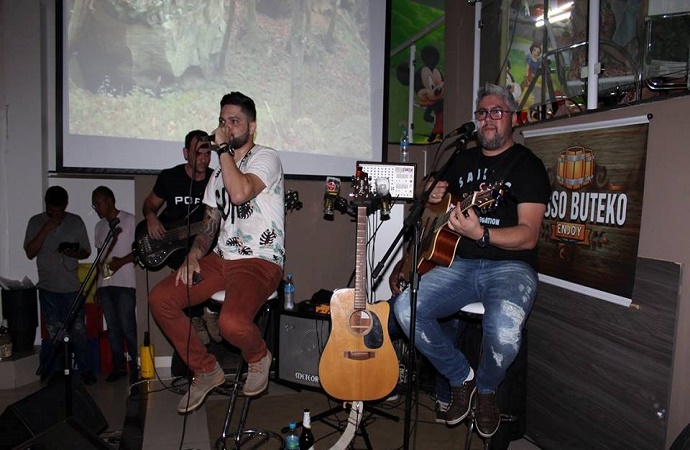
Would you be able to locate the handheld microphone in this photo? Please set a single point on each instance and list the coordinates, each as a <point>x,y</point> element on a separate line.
<point>465,130</point>
<point>330,196</point>
<point>383,191</point>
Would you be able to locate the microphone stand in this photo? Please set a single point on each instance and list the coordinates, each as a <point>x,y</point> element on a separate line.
<point>62,335</point>
<point>413,220</point>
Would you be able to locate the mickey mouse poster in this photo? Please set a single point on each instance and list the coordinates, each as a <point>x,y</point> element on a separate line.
<point>411,19</point>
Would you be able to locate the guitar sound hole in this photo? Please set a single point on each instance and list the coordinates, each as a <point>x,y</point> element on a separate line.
<point>360,323</point>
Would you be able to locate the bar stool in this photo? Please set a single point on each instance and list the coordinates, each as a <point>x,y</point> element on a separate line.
<point>242,435</point>
<point>475,311</point>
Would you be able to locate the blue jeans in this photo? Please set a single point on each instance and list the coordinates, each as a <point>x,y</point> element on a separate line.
<point>452,327</point>
<point>55,307</point>
<point>506,288</point>
<point>119,305</point>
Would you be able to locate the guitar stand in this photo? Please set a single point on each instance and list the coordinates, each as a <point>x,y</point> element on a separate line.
<point>361,429</point>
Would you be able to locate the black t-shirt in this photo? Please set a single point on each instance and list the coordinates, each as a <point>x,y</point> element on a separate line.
<point>526,181</point>
<point>173,186</point>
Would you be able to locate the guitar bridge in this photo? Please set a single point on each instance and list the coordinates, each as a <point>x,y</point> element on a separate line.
<point>358,355</point>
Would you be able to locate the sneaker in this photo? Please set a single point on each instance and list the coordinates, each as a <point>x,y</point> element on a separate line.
<point>460,402</point>
<point>200,328</point>
<point>257,376</point>
<point>211,322</point>
<point>441,408</point>
<point>488,417</point>
<point>201,385</point>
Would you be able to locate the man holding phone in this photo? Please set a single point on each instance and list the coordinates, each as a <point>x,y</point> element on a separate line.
<point>58,240</point>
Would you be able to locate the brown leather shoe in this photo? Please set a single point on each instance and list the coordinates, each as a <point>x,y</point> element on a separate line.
<point>460,402</point>
<point>488,417</point>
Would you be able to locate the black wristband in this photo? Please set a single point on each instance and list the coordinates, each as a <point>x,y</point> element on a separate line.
<point>225,148</point>
<point>483,241</point>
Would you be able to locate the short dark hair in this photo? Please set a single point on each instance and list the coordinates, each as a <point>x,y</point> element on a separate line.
<point>245,103</point>
<point>194,134</point>
<point>106,192</point>
<point>56,196</point>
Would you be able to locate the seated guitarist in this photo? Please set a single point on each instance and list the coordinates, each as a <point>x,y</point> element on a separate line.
<point>181,190</point>
<point>493,262</point>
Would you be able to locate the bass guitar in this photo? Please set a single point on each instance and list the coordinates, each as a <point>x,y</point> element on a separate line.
<point>152,254</point>
<point>439,242</point>
<point>358,361</point>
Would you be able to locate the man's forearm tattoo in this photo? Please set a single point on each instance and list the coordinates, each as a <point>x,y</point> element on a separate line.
<point>204,239</point>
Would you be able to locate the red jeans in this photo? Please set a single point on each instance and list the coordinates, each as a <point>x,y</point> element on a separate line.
<point>247,283</point>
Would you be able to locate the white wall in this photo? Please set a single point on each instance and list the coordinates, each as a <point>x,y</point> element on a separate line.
<point>22,170</point>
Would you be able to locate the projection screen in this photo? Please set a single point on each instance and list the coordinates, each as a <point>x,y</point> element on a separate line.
<point>137,75</point>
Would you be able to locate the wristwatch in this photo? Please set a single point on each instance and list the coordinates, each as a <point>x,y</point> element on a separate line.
<point>225,148</point>
<point>484,240</point>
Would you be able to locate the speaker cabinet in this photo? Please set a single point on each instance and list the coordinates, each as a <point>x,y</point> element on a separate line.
<point>36,413</point>
<point>301,339</point>
<point>68,434</point>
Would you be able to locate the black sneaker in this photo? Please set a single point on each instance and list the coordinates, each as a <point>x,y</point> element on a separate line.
<point>488,417</point>
<point>460,402</point>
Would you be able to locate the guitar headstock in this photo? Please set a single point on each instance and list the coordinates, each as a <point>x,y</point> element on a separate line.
<point>489,196</point>
<point>292,201</point>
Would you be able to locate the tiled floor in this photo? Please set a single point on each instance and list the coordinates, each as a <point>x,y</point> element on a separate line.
<point>145,417</point>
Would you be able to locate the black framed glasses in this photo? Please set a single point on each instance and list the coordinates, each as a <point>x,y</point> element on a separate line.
<point>495,114</point>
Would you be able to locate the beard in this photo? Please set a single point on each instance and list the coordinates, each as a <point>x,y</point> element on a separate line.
<point>240,141</point>
<point>491,143</point>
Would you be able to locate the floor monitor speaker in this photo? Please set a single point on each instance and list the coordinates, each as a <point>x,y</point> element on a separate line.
<point>36,413</point>
<point>68,434</point>
<point>301,339</point>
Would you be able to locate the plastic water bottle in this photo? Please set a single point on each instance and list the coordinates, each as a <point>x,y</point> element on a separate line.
<point>289,293</point>
<point>291,438</point>
<point>306,439</point>
<point>404,147</point>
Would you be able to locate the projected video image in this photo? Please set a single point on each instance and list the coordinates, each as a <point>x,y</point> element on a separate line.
<point>138,69</point>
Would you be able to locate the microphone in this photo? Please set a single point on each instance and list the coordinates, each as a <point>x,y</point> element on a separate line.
<point>383,191</point>
<point>465,130</point>
<point>113,223</point>
<point>330,197</point>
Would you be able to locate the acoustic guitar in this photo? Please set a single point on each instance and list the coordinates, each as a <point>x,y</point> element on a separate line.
<point>438,243</point>
<point>358,361</point>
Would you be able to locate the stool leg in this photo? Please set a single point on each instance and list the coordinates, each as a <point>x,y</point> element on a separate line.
<point>242,435</point>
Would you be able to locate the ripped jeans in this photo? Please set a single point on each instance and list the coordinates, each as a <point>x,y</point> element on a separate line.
<point>506,288</point>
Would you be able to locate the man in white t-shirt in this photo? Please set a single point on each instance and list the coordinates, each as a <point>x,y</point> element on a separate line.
<point>117,281</point>
<point>244,202</point>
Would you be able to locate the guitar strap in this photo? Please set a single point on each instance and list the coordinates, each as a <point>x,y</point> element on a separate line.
<point>356,412</point>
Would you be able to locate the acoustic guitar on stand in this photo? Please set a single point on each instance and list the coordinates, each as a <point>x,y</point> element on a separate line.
<point>439,242</point>
<point>358,361</point>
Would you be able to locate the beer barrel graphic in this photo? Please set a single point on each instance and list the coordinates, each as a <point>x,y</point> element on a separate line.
<point>575,167</point>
